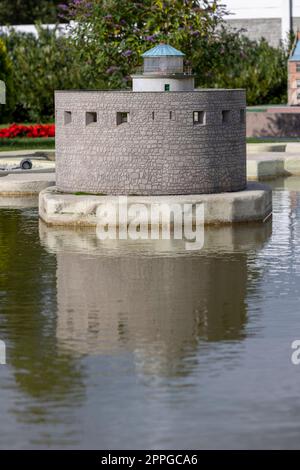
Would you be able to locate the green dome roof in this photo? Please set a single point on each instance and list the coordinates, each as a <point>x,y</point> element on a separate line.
<point>163,50</point>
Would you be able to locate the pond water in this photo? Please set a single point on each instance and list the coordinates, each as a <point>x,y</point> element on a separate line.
<point>145,345</point>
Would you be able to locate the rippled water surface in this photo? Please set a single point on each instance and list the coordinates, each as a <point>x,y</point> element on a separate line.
<point>146,345</point>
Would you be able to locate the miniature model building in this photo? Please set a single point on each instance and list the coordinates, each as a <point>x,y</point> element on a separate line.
<point>294,74</point>
<point>162,138</point>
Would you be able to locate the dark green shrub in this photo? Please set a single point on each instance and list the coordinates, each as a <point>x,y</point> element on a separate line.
<point>6,75</point>
<point>40,66</point>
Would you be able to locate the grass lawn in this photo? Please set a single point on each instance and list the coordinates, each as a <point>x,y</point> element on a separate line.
<point>24,143</point>
<point>272,140</point>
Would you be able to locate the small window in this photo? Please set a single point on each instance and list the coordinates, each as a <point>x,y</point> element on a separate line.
<point>298,67</point>
<point>298,83</point>
<point>226,117</point>
<point>199,117</point>
<point>242,116</point>
<point>67,117</point>
<point>122,118</point>
<point>153,115</point>
<point>90,118</point>
<point>167,87</point>
<point>172,115</point>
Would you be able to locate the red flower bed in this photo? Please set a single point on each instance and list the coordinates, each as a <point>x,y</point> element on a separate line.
<point>18,130</point>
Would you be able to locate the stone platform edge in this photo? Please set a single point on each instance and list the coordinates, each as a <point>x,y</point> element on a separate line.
<point>254,204</point>
<point>268,166</point>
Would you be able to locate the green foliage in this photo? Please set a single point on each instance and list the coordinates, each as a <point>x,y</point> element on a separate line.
<point>41,65</point>
<point>24,143</point>
<point>6,74</point>
<point>232,60</point>
<point>14,12</point>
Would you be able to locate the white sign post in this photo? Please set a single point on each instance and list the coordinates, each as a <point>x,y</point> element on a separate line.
<point>2,93</point>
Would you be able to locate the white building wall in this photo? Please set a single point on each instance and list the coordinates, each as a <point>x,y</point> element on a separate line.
<point>31,29</point>
<point>275,13</point>
<point>158,84</point>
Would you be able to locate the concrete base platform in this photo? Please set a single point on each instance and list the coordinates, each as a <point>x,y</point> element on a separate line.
<point>253,204</point>
<point>25,184</point>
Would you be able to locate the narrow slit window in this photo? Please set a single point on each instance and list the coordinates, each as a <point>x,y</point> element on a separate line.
<point>122,118</point>
<point>153,115</point>
<point>172,115</point>
<point>67,117</point>
<point>298,67</point>
<point>90,118</point>
<point>199,117</point>
<point>242,116</point>
<point>226,116</point>
<point>167,87</point>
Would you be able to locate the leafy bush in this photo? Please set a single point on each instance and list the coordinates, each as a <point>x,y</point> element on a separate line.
<point>6,72</point>
<point>40,66</point>
<point>232,60</point>
<point>28,11</point>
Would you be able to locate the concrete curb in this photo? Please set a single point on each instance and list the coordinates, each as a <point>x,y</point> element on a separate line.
<point>268,166</point>
<point>48,154</point>
<point>253,204</point>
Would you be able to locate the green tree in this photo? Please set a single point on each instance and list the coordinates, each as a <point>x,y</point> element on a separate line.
<point>231,60</point>
<point>6,72</point>
<point>40,65</point>
<point>15,12</point>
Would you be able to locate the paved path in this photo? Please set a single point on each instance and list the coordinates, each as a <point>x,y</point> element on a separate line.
<point>25,183</point>
<point>26,152</point>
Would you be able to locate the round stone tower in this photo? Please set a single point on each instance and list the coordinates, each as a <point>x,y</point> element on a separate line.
<point>162,138</point>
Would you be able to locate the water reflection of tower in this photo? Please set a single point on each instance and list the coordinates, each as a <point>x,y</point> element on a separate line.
<point>156,307</point>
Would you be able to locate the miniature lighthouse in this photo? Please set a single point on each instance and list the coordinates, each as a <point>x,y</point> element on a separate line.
<point>163,71</point>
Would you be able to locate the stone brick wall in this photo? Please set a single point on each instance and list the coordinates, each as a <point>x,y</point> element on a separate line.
<point>155,152</point>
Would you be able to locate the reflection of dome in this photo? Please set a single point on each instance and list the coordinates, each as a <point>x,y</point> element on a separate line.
<point>156,307</point>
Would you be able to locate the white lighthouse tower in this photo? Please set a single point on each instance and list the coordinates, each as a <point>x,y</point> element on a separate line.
<point>163,71</point>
